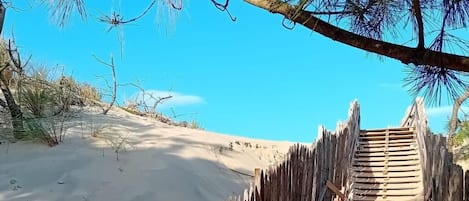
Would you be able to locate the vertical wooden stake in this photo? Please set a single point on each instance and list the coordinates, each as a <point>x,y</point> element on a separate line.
<point>257,178</point>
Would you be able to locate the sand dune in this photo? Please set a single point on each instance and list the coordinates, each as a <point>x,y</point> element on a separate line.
<point>122,157</point>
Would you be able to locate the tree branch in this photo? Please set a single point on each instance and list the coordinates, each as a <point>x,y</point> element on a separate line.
<point>418,16</point>
<point>328,12</point>
<point>2,15</point>
<point>453,123</point>
<point>402,53</point>
<point>114,81</point>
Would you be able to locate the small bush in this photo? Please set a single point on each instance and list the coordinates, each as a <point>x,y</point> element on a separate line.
<point>195,125</point>
<point>36,99</point>
<point>50,130</point>
<point>462,134</point>
<point>89,92</point>
<point>37,132</point>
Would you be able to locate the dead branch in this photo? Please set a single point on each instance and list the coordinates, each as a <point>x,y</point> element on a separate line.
<point>114,81</point>
<point>143,103</point>
<point>116,19</point>
<point>224,8</point>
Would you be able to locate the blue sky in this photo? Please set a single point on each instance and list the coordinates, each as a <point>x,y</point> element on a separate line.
<point>251,77</point>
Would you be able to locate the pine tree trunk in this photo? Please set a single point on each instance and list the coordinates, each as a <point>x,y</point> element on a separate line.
<point>13,107</point>
<point>15,110</point>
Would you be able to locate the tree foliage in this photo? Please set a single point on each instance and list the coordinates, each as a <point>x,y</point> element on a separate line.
<point>462,134</point>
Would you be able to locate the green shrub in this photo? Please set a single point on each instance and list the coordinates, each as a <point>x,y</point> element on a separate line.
<point>36,131</point>
<point>195,125</point>
<point>462,134</point>
<point>36,99</point>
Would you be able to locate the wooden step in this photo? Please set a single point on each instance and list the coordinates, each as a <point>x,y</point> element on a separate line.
<point>389,163</point>
<point>385,153</point>
<point>386,166</point>
<point>390,137</point>
<point>405,192</point>
<point>379,186</point>
<point>388,169</point>
<point>388,142</point>
<point>389,158</point>
<point>402,175</point>
<point>390,129</point>
<point>403,144</point>
<point>387,198</point>
<point>362,134</point>
<point>387,180</point>
<point>389,149</point>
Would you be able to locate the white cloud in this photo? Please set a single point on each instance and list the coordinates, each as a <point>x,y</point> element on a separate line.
<point>177,99</point>
<point>443,111</point>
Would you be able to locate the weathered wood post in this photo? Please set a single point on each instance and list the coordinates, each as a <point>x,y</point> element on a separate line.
<point>257,178</point>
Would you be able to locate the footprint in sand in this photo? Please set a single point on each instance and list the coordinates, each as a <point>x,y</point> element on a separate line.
<point>14,185</point>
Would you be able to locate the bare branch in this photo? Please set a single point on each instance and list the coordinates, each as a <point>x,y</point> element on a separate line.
<point>116,19</point>
<point>114,81</point>
<point>328,12</point>
<point>224,8</point>
<point>158,100</point>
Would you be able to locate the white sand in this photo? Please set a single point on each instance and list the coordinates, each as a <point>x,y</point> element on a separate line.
<point>156,162</point>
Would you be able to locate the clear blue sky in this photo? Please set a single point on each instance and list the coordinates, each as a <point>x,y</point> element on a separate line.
<point>251,77</point>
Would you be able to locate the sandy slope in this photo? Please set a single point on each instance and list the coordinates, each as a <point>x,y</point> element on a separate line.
<point>156,162</point>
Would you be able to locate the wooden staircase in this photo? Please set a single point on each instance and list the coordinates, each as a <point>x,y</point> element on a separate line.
<point>386,166</point>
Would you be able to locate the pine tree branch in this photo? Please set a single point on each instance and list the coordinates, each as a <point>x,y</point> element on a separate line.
<point>418,17</point>
<point>406,55</point>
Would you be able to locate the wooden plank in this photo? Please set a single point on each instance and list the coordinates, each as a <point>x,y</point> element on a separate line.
<point>456,186</point>
<point>384,129</point>
<point>466,185</point>
<point>385,153</point>
<point>362,134</point>
<point>365,186</point>
<point>383,163</point>
<point>390,192</point>
<point>382,137</point>
<point>387,180</point>
<point>387,174</point>
<point>388,169</point>
<point>380,198</point>
<point>389,149</point>
<point>380,145</point>
<point>336,190</point>
<point>399,141</point>
<point>389,158</point>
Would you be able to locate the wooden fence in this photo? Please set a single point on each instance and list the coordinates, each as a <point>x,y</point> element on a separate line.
<point>307,172</point>
<point>443,180</point>
<point>321,173</point>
